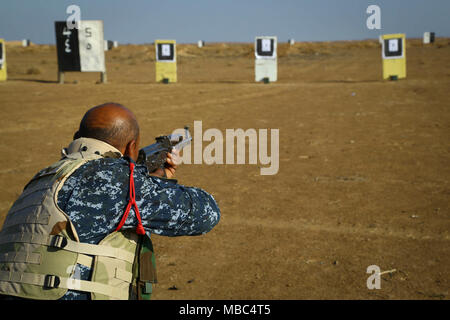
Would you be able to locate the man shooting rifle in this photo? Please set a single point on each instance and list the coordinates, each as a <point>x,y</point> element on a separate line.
<point>81,228</point>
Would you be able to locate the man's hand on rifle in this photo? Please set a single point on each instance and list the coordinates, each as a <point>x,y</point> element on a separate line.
<point>171,165</point>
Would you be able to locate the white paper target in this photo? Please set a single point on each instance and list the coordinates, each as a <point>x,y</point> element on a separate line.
<point>265,45</point>
<point>165,50</point>
<point>393,45</point>
<point>91,45</point>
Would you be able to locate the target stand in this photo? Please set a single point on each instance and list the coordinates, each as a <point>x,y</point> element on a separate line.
<point>428,37</point>
<point>166,61</point>
<point>3,73</point>
<point>80,49</point>
<point>266,59</point>
<point>394,56</point>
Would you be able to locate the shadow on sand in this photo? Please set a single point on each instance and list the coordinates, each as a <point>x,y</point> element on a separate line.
<point>33,80</point>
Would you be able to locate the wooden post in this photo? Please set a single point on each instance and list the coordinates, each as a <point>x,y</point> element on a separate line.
<point>103,77</point>
<point>60,77</point>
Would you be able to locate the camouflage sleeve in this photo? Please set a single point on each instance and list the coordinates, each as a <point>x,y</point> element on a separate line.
<point>171,209</point>
<point>96,195</point>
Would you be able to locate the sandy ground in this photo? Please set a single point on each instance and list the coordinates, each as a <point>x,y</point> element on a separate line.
<point>364,163</point>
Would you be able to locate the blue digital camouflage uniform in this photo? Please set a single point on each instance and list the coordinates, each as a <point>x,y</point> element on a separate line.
<point>95,197</point>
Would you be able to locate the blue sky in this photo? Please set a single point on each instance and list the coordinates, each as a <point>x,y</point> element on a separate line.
<point>142,21</point>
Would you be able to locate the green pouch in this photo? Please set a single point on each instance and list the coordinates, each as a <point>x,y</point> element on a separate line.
<point>147,269</point>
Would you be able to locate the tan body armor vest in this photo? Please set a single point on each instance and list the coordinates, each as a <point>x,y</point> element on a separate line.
<point>39,246</point>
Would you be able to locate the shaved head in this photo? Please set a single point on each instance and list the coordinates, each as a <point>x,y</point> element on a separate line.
<point>111,123</point>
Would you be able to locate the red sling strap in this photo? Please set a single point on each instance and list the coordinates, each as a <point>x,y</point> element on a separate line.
<point>132,202</point>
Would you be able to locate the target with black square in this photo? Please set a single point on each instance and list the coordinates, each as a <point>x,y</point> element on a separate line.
<point>3,69</point>
<point>393,52</point>
<point>393,48</point>
<point>265,48</point>
<point>266,64</point>
<point>165,52</point>
<point>166,61</point>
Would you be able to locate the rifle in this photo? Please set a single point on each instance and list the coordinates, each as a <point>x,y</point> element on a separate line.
<point>154,156</point>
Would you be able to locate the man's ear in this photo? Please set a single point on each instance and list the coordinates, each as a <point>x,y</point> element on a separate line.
<point>131,150</point>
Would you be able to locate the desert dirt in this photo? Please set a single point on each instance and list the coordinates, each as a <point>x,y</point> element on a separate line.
<point>364,163</point>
